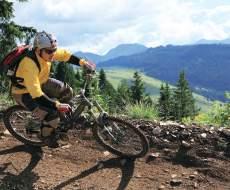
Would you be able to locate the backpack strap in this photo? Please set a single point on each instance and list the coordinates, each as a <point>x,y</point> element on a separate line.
<point>16,80</point>
<point>31,54</point>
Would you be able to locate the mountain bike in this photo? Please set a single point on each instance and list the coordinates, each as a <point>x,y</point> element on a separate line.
<point>115,134</point>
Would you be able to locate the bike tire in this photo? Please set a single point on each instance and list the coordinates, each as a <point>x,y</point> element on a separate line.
<point>117,149</point>
<point>7,119</point>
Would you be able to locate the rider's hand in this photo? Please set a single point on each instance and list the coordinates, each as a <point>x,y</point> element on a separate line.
<point>63,107</point>
<point>88,65</point>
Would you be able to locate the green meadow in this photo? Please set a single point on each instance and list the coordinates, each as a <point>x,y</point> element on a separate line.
<point>152,85</point>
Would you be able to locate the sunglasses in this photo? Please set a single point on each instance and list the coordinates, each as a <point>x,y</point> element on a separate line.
<point>49,51</point>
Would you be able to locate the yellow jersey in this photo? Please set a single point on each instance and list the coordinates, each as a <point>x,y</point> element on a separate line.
<point>33,78</point>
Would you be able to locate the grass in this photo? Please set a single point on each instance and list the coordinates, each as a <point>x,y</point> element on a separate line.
<point>141,111</point>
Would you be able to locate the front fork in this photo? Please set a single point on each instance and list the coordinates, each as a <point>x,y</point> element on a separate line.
<point>106,129</point>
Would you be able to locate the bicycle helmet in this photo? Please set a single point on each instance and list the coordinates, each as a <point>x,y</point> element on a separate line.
<point>45,40</point>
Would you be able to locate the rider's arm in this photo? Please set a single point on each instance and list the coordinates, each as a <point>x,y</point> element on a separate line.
<point>66,56</point>
<point>46,102</point>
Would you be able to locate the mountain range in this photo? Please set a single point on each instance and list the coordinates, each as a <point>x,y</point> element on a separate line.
<point>120,50</point>
<point>205,41</point>
<point>206,66</point>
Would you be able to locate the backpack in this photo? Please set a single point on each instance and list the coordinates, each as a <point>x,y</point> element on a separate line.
<point>10,63</point>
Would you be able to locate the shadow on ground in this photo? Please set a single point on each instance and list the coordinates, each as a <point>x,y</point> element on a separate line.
<point>126,165</point>
<point>25,179</point>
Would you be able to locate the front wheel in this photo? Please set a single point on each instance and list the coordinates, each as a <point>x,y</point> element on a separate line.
<point>23,125</point>
<point>121,138</point>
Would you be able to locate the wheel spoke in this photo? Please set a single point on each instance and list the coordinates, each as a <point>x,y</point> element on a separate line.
<point>25,124</point>
<point>122,138</point>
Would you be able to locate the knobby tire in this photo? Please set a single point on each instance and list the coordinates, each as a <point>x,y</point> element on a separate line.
<point>7,121</point>
<point>116,150</point>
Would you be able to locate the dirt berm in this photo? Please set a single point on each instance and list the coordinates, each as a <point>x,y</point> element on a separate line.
<point>181,157</point>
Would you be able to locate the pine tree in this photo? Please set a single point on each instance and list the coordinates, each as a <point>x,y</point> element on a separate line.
<point>102,79</point>
<point>184,103</point>
<point>78,79</point>
<point>60,72</point>
<point>137,88</point>
<point>123,95</point>
<point>147,100</point>
<point>109,95</point>
<point>10,34</point>
<point>65,73</point>
<point>106,92</point>
<point>78,75</point>
<point>165,102</point>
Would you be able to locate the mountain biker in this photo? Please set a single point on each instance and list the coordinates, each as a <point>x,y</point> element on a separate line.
<point>39,90</point>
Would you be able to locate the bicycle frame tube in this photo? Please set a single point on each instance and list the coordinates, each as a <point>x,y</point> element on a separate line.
<point>85,102</point>
<point>80,108</point>
<point>100,109</point>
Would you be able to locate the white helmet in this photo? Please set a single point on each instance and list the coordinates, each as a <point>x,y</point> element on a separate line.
<point>45,40</point>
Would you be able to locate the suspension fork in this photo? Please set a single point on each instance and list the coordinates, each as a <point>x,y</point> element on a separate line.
<point>79,110</point>
<point>103,114</point>
<point>101,118</point>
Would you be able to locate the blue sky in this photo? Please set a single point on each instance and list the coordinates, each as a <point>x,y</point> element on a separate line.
<point>100,25</point>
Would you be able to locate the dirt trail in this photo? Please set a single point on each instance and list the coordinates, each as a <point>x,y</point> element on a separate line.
<point>180,158</point>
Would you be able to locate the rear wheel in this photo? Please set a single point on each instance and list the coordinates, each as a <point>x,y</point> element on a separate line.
<point>23,125</point>
<point>121,138</point>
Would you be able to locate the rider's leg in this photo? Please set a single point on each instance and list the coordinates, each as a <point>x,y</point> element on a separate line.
<point>48,129</point>
<point>48,117</point>
<point>58,89</point>
<point>26,101</point>
<point>50,120</point>
<point>63,92</point>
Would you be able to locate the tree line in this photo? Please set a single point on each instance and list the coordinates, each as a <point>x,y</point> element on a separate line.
<point>173,104</point>
<point>115,100</point>
<point>178,103</point>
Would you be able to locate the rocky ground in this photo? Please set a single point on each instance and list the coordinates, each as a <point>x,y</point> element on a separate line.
<point>181,157</point>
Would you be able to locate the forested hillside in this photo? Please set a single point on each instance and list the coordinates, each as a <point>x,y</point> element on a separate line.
<point>206,66</point>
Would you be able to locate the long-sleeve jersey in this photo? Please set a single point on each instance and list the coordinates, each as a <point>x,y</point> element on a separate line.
<point>33,78</point>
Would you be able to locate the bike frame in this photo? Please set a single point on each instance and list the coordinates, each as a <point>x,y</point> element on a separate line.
<point>85,103</point>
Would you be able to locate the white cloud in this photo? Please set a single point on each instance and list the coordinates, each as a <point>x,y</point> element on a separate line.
<point>100,25</point>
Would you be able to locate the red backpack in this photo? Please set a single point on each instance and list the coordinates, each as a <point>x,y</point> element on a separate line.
<point>10,63</point>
